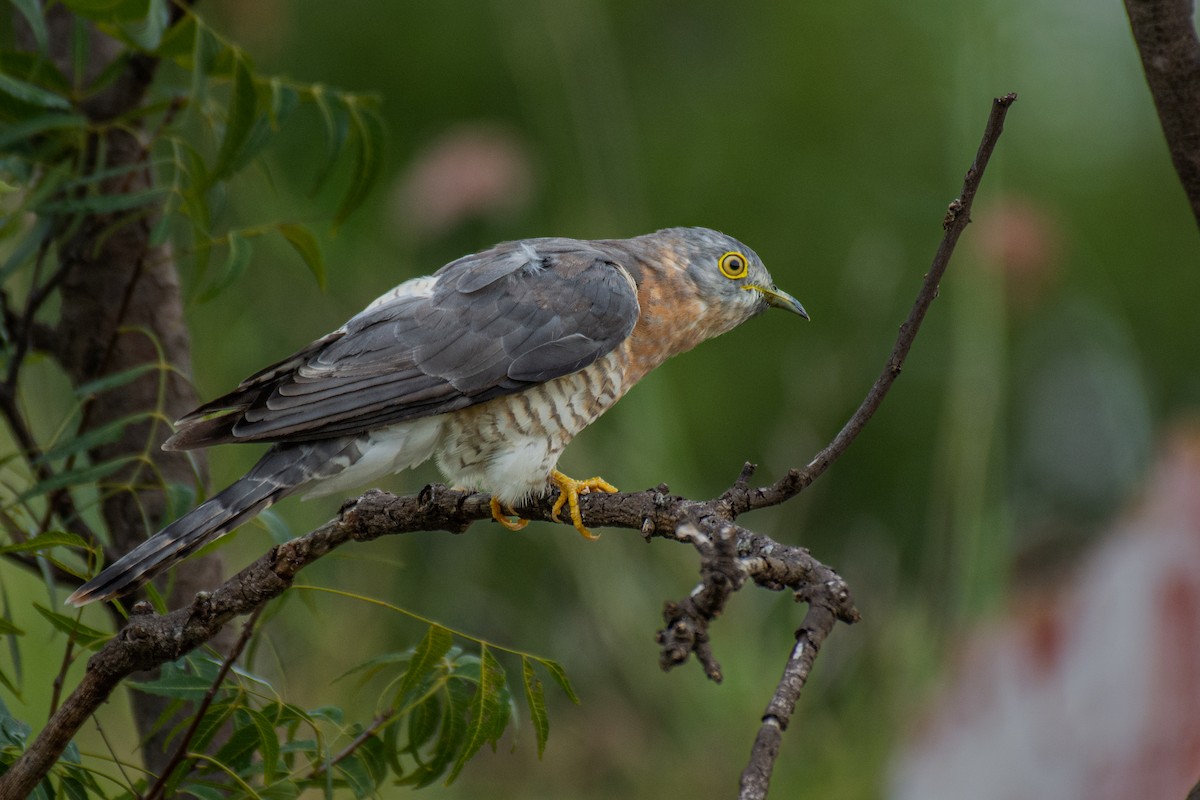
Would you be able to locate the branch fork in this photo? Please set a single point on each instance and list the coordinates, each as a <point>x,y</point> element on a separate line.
<point>729,554</point>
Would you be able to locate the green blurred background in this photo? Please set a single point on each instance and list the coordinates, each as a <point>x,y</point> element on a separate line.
<point>829,137</point>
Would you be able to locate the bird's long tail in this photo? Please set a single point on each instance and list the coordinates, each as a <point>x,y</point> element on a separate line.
<point>280,472</point>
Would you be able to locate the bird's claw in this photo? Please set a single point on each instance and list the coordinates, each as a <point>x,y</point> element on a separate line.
<point>569,490</point>
<point>502,516</point>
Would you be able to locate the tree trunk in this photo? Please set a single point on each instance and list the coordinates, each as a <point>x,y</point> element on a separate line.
<point>121,306</point>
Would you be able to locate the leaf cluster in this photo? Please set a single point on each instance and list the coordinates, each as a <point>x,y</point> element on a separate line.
<point>207,120</point>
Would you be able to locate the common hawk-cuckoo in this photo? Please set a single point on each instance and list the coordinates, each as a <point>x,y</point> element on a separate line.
<point>490,366</point>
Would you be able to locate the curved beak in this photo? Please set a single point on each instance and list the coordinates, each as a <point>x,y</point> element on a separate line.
<point>779,299</point>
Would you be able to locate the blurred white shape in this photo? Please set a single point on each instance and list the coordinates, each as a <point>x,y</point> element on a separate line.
<point>476,170</point>
<point>1087,690</point>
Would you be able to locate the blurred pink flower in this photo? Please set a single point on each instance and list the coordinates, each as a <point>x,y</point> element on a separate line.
<point>477,170</point>
<point>1024,242</point>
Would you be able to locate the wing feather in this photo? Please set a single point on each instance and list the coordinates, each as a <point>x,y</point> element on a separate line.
<point>483,326</point>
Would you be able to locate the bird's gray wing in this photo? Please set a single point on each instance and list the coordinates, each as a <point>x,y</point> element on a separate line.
<point>487,325</point>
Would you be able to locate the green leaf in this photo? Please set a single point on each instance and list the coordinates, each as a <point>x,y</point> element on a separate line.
<point>213,722</point>
<point>29,93</point>
<point>119,171</point>
<point>237,752</point>
<point>45,541</point>
<point>179,679</point>
<point>276,526</point>
<point>330,713</point>
<point>105,203</point>
<point>206,50</point>
<point>306,245</point>
<point>536,699</point>
<point>105,434</point>
<point>147,33</point>
<point>423,723</point>
<point>161,230</point>
<point>371,752</point>
<point>425,659</point>
<point>32,11</point>
<point>372,666</point>
<point>243,103</point>
<point>178,41</point>
<point>75,477</point>
<point>12,730</point>
<point>22,132</point>
<point>268,743</point>
<point>235,265</point>
<point>7,628</point>
<point>83,635</point>
<point>7,683</point>
<point>356,774</point>
<point>109,75</point>
<point>76,783</point>
<point>486,709</point>
<point>202,792</point>
<point>284,100</point>
<point>108,10</point>
<point>560,677</point>
<point>456,698</point>
<point>336,122</point>
<point>368,131</point>
<point>114,380</point>
<point>27,247</point>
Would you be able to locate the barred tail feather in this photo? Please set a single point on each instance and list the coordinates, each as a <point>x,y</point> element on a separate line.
<point>281,471</point>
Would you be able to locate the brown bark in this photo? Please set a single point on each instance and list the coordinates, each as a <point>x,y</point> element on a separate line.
<point>121,306</point>
<point>1165,34</point>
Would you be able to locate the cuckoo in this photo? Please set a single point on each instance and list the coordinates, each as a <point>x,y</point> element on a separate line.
<point>489,366</point>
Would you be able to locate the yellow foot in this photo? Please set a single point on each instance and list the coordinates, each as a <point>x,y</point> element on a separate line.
<point>502,516</point>
<point>569,490</point>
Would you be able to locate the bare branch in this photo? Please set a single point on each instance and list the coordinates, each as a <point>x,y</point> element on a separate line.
<point>160,785</point>
<point>149,640</point>
<point>756,778</point>
<point>730,556</point>
<point>1165,33</point>
<point>827,605</point>
<point>741,498</point>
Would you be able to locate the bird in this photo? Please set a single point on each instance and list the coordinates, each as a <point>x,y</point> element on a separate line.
<point>490,366</point>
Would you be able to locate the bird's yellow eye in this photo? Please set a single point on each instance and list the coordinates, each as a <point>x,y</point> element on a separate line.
<point>733,266</point>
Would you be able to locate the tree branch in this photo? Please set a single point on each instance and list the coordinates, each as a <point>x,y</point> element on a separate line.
<point>1165,34</point>
<point>827,605</point>
<point>181,749</point>
<point>149,640</point>
<point>730,555</point>
<point>741,498</point>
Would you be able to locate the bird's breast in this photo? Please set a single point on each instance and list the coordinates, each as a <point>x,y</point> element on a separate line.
<point>509,445</point>
<point>674,318</point>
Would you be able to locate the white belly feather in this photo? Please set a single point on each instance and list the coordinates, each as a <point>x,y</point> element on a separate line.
<point>506,446</point>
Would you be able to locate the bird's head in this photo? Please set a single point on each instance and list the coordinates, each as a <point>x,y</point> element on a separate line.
<point>729,274</point>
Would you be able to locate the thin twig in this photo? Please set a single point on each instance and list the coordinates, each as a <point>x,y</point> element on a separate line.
<point>756,778</point>
<point>822,615</point>
<point>1165,33</point>
<point>149,640</point>
<point>380,720</point>
<point>160,785</point>
<point>958,215</point>
<point>56,692</point>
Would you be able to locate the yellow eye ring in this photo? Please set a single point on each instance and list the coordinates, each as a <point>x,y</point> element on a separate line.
<point>733,265</point>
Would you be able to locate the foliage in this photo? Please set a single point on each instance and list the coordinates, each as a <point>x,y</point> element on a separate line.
<point>203,128</point>
<point>439,705</point>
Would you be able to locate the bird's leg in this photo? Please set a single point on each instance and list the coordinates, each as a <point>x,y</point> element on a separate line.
<point>569,490</point>
<point>502,516</point>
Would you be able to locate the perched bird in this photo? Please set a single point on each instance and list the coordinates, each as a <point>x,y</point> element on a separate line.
<point>490,366</point>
